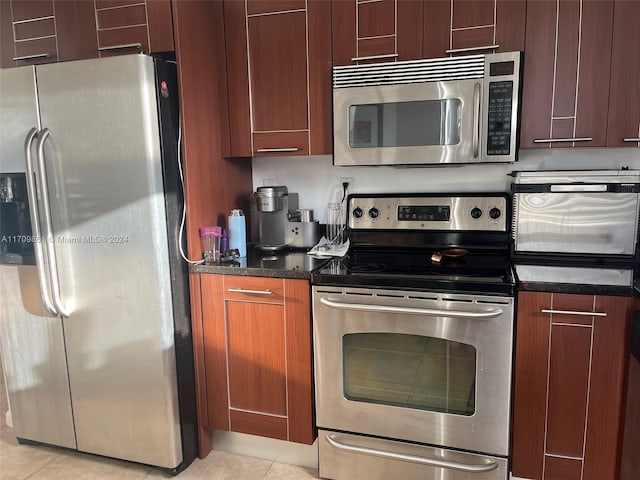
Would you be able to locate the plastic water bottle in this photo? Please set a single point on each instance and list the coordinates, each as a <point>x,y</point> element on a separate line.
<point>238,231</point>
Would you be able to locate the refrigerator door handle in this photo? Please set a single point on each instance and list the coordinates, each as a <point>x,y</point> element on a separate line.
<point>43,281</point>
<point>48,227</point>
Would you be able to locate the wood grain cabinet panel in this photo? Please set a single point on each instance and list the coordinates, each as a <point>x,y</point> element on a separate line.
<point>257,356</point>
<point>566,73</point>
<point>624,93</point>
<point>44,31</point>
<point>279,77</point>
<point>569,386</point>
<point>465,27</point>
<point>379,31</point>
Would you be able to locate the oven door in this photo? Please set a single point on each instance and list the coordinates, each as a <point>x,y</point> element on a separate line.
<point>430,368</point>
<point>419,123</point>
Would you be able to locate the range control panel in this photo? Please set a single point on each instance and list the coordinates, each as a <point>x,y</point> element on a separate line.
<point>426,212</point>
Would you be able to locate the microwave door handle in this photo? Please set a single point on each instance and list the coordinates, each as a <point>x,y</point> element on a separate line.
<point>48,227</point>
<point>410,310</point>
<point>476,119</point>
<point>486,466</point>
<point>43,281</point>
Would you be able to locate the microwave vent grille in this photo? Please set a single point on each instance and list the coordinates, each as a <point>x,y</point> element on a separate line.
<point>414,71</point>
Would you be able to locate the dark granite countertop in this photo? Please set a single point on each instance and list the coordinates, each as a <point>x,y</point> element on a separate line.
<point>282,264</point>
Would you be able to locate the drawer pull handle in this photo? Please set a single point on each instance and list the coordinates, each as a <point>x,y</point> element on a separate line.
<point>565,140</point>
<point>472,49</point>
<point>374,57</point>
<point>569,312</point>
<point>252,292</point>
<point>31,57</point>
<point>272,150</point>
<point>483,465</point>
<point>631,139</point>
<point>118,47</point>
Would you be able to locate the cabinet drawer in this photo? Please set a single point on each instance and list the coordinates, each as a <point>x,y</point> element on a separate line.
<point>254,289</point>
<point>281,143</point>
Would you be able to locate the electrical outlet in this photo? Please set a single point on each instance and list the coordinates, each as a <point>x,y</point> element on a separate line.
<point>348,180</point>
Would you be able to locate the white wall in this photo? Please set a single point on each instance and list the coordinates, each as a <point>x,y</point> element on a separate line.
<point>317,181</point>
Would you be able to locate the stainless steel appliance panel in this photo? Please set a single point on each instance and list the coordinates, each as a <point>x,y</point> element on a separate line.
<point>34,361</point>
<point>587,222</point>
<point>358,457</point>
<point>110,240</point>
<point>18,114</point>
<point>467,92</point>
<point>482,322</point>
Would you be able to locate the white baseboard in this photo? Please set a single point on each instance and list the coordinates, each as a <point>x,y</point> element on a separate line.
<point>518,478</point>
<point>266,448</point>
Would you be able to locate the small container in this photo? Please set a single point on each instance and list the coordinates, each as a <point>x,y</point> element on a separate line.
<point>335,227</point>
<point>238,232</point>
<point>210,242</point>
<point>224,241</point>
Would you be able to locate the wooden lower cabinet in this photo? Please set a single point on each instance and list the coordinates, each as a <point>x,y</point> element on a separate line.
<point>570,370</point>
<point>257,356</point>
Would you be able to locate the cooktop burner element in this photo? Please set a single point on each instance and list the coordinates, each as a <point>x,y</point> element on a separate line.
<point>462,248</point>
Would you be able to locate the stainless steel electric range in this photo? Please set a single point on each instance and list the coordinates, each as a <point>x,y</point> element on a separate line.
<point>413,337</point>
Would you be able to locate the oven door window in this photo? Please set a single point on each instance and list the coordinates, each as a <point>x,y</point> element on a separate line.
<point>410,371</point>
<point>405,124</point>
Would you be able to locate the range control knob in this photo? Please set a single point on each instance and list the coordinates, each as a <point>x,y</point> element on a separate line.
<point>373,212</point>
<point>357,212</point>
<point>495,213</point>
<point>476,213</point>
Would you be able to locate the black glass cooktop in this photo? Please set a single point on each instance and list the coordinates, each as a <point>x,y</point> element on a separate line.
<point>483,272</point>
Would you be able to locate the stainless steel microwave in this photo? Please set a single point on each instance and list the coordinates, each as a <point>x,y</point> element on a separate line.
<point>437,111</point>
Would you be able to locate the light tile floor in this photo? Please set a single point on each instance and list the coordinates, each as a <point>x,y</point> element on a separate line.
<point>21,462</point>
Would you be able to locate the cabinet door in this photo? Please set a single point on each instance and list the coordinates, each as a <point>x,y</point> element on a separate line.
<point>29,30</point>
<point>382,31</point>
<point>465,27</point>
<point>257,356</point>
<point>623,128</point>
<point>569,382</point>
<point>566,73</point>
<point>279,77</point>
<point>129,26</point>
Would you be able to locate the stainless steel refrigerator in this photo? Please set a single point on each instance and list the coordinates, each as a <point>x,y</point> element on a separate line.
<point>94,309</point>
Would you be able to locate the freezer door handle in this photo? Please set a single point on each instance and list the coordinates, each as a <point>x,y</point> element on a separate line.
<point>48,227</point>
<point>43,281</point>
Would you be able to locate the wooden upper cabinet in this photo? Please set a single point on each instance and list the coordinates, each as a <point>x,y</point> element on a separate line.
<point>376,31</point>
<point>466,27</point>
<point>45,31</point>
<point>570,371</point>
<point>279,77</point>
<point>624,93</point>
<point>128,26</point>
<point>566,73</point>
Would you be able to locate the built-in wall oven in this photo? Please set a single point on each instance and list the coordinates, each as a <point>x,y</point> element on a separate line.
<point>413,338</point>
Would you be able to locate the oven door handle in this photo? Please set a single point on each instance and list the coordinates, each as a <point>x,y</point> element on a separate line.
<point>410,310</point>
<point>487,466</point>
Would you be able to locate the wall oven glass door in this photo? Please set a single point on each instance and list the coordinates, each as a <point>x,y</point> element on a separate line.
<point>431,368</point>
<point>421,123</point>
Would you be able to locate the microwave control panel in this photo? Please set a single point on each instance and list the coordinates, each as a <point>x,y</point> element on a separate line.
<point>499,117</point>
<point>500,106</point>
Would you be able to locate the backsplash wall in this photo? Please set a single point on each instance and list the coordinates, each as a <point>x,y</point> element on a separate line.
<point>317,181</point>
